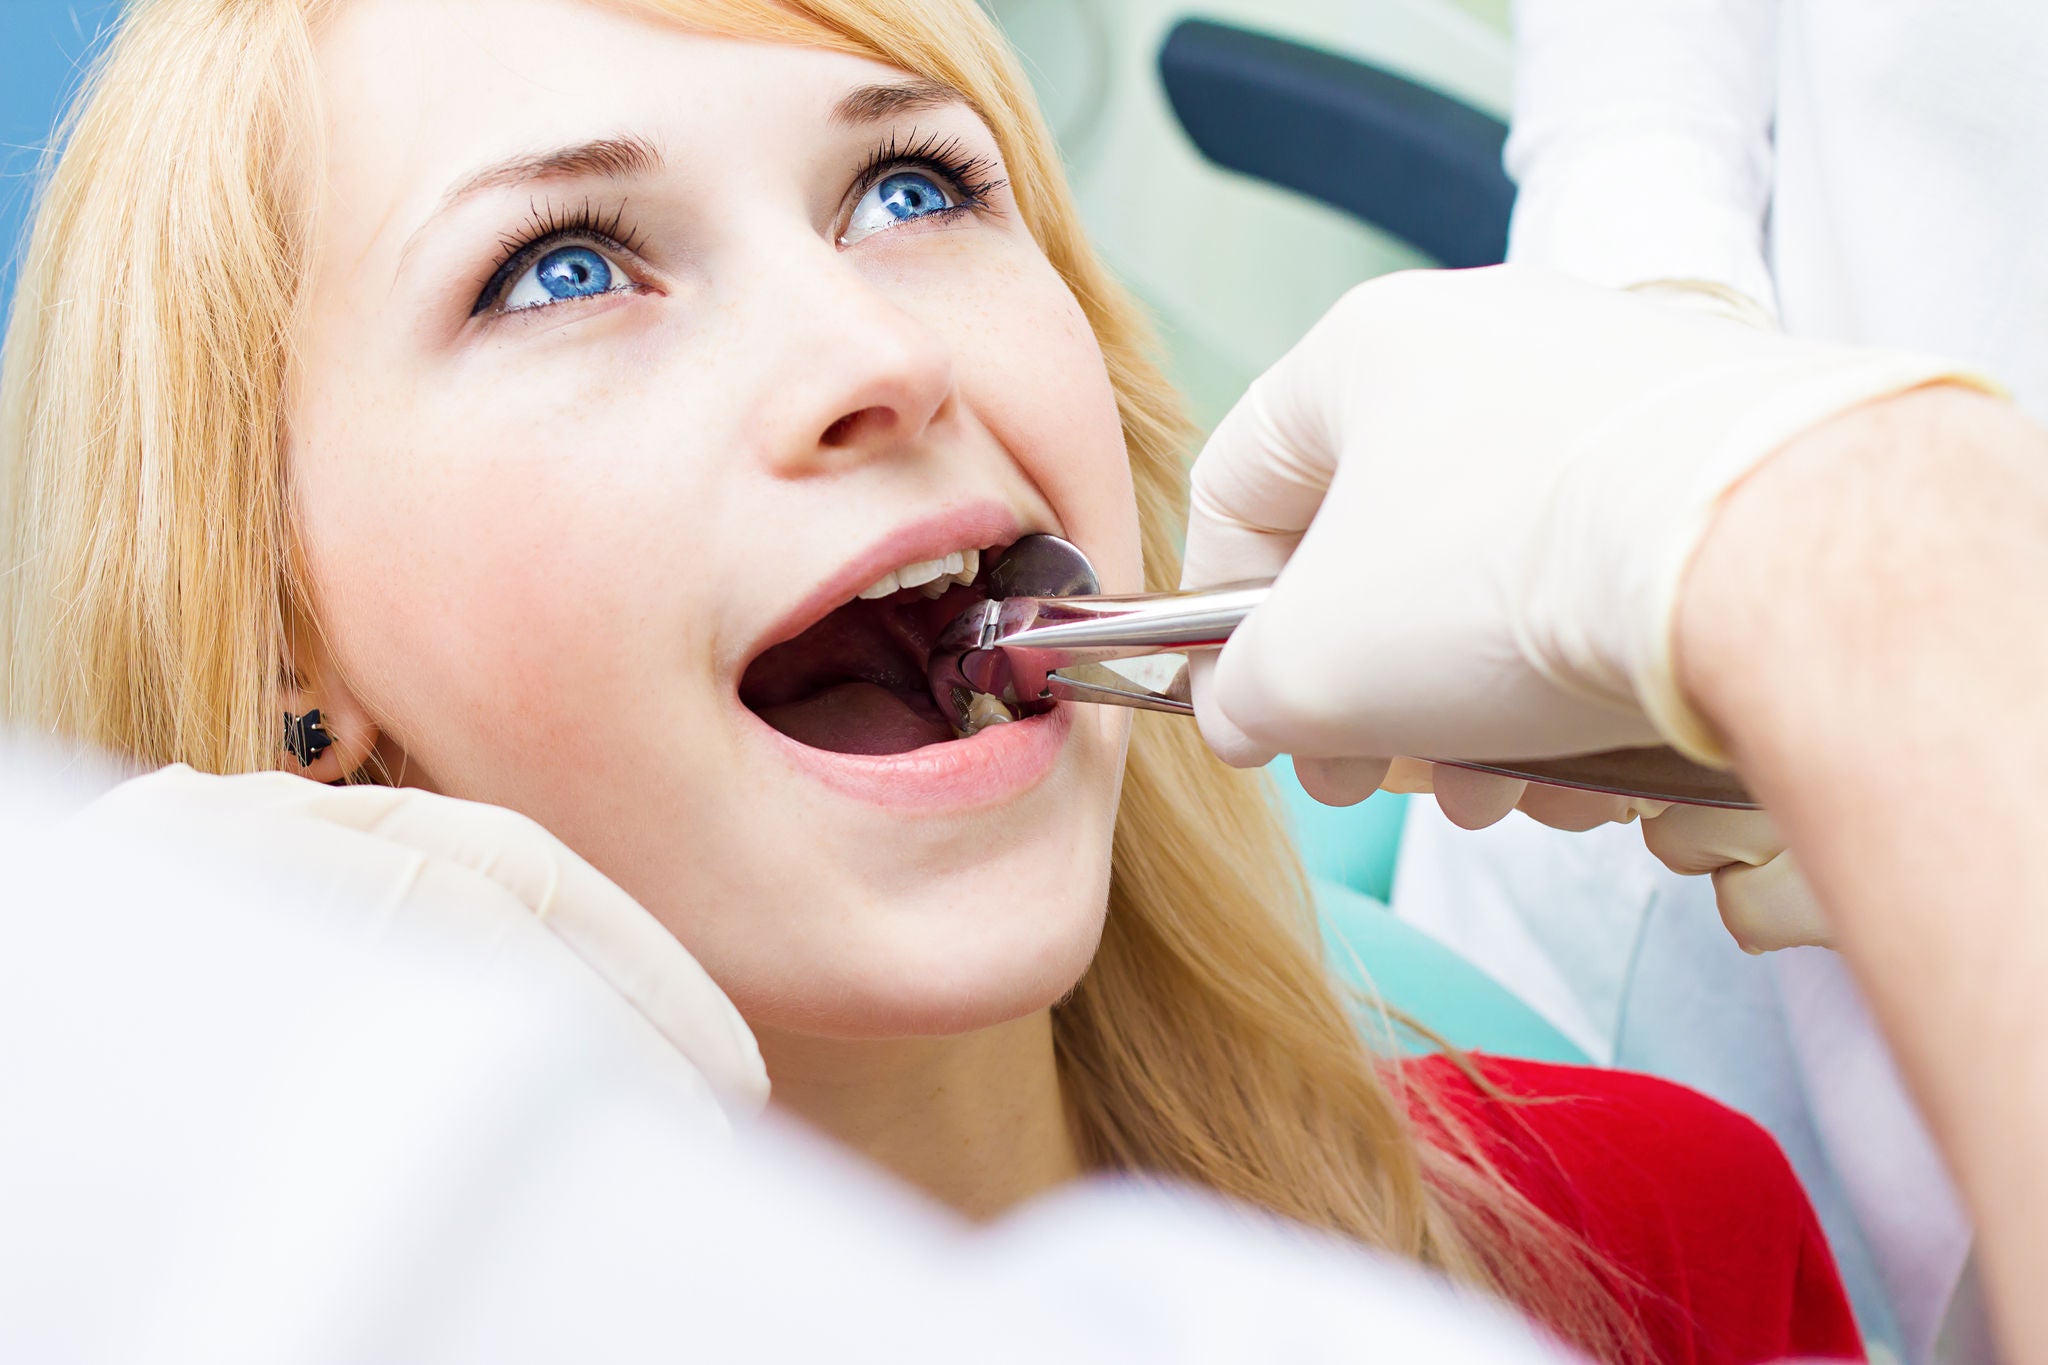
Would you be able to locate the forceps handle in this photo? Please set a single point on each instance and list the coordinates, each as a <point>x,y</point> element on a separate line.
<point>1105,627</point>
<point>1073,633</point>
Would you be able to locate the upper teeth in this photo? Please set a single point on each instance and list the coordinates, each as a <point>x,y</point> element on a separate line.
<point>932,576</point>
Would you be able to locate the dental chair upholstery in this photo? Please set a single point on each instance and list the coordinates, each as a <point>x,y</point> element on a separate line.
<point>1425,168</point>
<point>1406,159</point>
<point>1370,950</point>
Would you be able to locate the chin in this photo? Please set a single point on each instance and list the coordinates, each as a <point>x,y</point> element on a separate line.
<point>927,970</point>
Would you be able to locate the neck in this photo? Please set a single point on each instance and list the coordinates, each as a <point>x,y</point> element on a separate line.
<point>975,1120</point>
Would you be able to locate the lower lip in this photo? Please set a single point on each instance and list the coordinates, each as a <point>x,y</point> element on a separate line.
<point>985,769</point>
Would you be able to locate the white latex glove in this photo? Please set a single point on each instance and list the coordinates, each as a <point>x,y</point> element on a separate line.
<point>428,866</point>
<point>240,1129</point>
<point>1764,902</point>
<point>1479,491</point>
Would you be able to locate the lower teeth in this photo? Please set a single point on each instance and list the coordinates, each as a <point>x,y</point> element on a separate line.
<point>983,712</point>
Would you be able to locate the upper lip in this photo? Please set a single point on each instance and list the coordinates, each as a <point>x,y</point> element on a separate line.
<point>977,525</point>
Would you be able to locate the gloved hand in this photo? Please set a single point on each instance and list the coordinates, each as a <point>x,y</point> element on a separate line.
<point>1764,902</point>
<point>1479,491</point>
<point>410,862</point>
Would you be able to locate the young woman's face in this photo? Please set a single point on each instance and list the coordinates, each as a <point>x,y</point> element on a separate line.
<point>631,353</point>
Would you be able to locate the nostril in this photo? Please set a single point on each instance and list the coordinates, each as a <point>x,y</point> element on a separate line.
<point>854,425</point>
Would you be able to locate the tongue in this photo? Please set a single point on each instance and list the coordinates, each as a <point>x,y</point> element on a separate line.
<point>858,718</point>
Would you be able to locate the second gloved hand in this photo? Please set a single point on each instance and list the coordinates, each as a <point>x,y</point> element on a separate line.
<point>1764,902</point>
<point>399,863</point>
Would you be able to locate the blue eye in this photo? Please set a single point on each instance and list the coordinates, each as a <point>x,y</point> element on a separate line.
<point>573,272</point>
<point>894,199</point>
<point>909,195</point>
<point>567,272</point>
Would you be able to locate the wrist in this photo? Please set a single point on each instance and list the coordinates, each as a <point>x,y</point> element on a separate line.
<point>1735,407</point>
<point>1843,554</point>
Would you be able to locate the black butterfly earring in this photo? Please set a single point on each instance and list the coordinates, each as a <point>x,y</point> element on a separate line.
<point>305,737</point>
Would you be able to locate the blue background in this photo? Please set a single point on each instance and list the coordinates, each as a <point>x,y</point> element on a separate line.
<point>44,45</point>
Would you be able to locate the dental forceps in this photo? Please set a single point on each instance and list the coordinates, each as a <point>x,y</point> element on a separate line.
<point>1046,634</point>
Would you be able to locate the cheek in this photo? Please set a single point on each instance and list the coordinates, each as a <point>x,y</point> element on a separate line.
<point>1034,373</point>
<point>477,573</point>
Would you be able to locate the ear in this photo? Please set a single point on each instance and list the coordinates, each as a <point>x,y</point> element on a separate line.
<point>312,682</point>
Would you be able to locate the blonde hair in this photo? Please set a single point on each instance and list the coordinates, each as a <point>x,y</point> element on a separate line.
<point>150,572</point>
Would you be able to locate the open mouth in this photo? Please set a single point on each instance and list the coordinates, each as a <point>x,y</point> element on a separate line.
<point>855,682</point>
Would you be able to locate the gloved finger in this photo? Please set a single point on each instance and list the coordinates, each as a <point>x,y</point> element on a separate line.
<point>1259,479</point>
<point>1693,840</point>
<point>1770,906</point>
<point>1340,781</point>
<point>1219,732</point>
<point>1472,800</point>
<point>1412,775</point>
<point>1570,809</point>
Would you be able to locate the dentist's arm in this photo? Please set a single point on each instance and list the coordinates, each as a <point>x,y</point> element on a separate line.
<point>1864,624</point>
<point>1517,516</point>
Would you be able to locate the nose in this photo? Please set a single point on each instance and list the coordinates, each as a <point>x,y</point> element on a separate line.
<point>855,373</point>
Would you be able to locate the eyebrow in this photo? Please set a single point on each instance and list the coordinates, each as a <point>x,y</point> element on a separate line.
<point>891,99</point>
<point>615,158</point>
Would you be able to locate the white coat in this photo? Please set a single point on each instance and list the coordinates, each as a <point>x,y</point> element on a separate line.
<point>298,1075</point>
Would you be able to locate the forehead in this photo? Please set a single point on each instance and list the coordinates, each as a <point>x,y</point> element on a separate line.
<point>544,55</point>
<point>418,92</point>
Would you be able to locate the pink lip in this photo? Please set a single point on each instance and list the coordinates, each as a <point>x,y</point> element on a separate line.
<point>985,769</point>
<point>976,524</point>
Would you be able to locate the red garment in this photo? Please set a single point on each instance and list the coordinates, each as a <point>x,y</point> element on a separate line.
<point>1688,1197</point>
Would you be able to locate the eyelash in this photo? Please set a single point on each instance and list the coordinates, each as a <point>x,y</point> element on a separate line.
<point>970,176</point>
<point>543,230</point>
